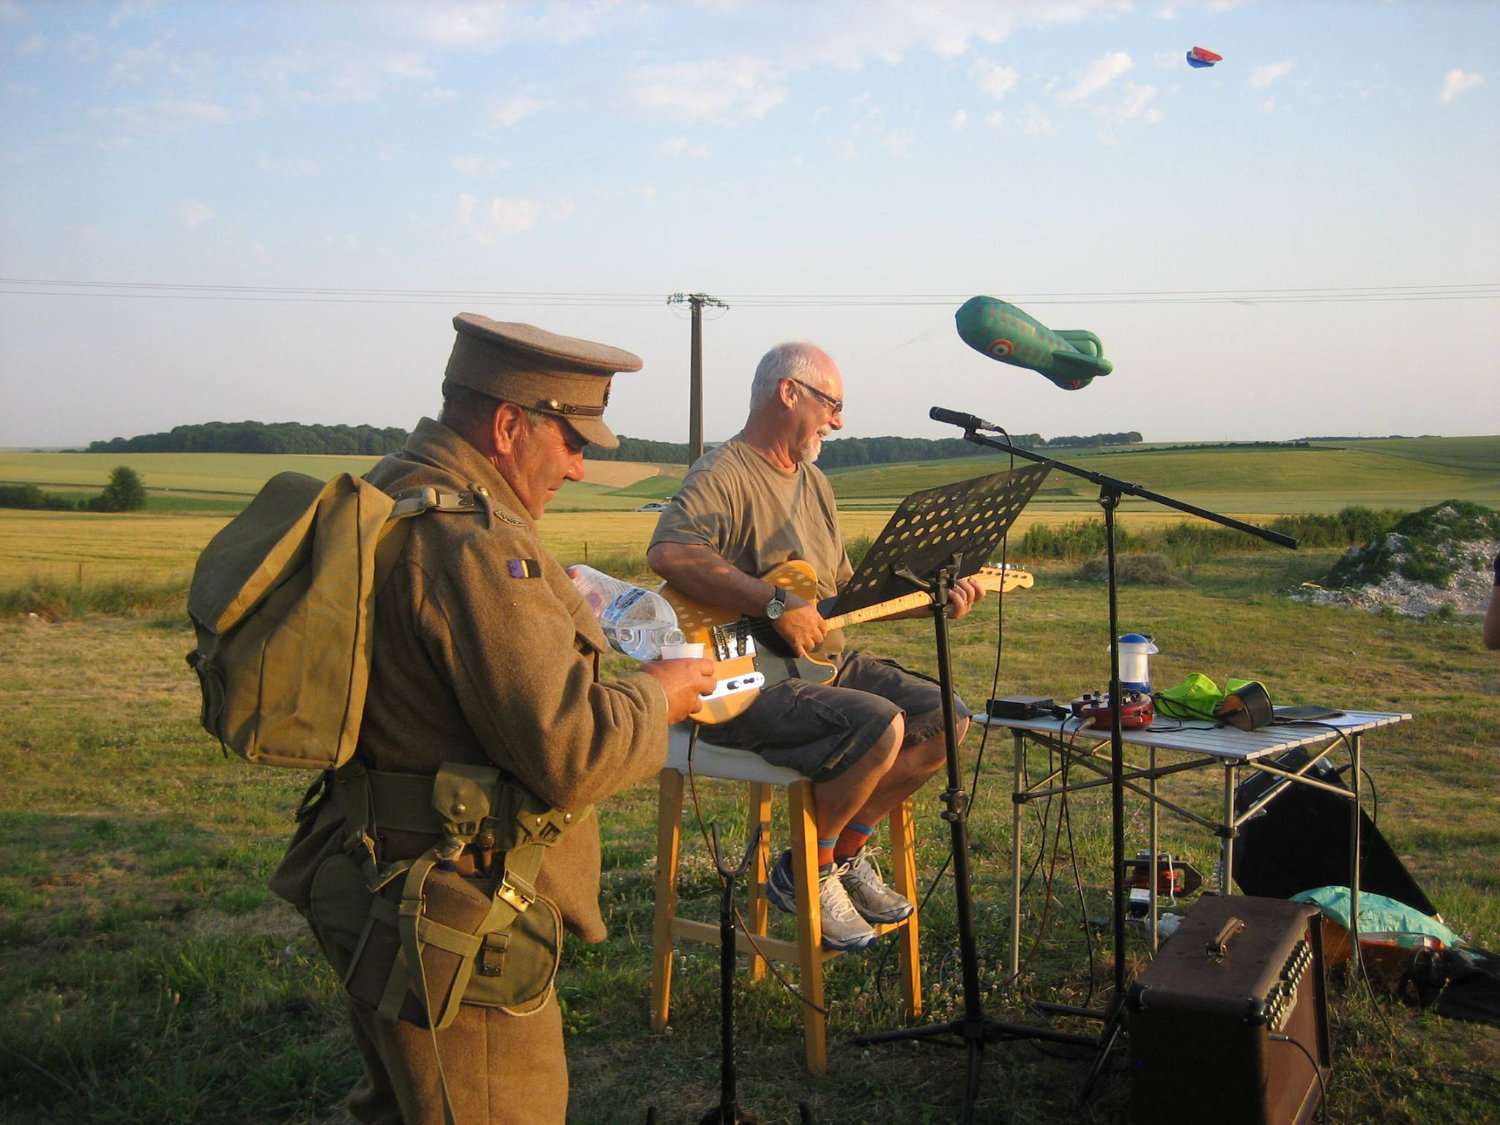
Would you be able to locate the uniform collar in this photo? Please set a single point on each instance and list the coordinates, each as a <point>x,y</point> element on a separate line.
<point>436,444</point>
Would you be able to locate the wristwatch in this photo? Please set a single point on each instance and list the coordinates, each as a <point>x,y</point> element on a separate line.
<point>775,605</point>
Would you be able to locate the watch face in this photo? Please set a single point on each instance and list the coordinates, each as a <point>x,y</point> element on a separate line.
<point>776,605</point>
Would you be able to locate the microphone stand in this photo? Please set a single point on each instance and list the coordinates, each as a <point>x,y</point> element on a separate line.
<point>1110,491</point>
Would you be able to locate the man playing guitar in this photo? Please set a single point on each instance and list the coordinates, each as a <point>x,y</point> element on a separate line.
<point>874,735</point>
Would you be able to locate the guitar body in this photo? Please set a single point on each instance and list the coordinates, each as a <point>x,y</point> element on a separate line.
<point>750,655</point>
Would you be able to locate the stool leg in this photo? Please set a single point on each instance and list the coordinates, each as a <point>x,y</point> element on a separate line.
<point>668,843</point>
<point>904,875</point>
<point>809,923</point>
<point>759,815</point>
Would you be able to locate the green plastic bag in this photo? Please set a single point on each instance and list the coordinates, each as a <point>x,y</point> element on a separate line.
<point>1197,697</point>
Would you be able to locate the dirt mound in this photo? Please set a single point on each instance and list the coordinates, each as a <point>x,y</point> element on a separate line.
<point>1438,559</point>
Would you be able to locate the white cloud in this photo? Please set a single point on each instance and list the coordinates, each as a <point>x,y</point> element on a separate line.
<point>497,219</point>
<point>1267,105</point>
<point>509,111</point>
<point>1135,103</point>
<point>470,25</point>
<point>723,91</point>
<point>681,146</point>
<point>160,119</point>
<point>439,95</point>
<point>1097,75</point>
<point>1457,82</point>
<point>959,119</point>
<point>897,142</point>
<point>481,167</point>
<point>1035,122</point>
<point>289,169</point>
<point>193,212</point>
<point>1267,73</point>
<point>996,81</point>
<point>995,120</point>
<point>131,64</point>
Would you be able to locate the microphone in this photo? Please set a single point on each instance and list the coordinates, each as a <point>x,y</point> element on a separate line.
<point>954,418</point>
<point>1069,357</point>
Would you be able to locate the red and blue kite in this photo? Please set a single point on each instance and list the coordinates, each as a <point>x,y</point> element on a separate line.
<point>1200,57</point>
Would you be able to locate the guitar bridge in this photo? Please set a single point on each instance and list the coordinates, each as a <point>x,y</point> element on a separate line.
<point>730,642</point>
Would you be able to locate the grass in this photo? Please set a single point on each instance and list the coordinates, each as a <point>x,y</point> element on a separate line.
<point>147,974</point>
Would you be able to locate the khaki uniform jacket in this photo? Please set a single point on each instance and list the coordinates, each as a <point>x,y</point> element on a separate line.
<point>485,653</point>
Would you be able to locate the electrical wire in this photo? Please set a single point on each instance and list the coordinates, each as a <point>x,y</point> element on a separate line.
<point>70,287</point>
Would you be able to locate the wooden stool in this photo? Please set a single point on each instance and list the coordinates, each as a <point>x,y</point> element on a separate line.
<point>807,951</point>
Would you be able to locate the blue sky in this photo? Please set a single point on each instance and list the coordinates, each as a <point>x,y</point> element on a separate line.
<point>272,210</point>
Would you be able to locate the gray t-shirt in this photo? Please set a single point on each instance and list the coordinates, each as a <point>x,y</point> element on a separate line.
<point>758,516</point>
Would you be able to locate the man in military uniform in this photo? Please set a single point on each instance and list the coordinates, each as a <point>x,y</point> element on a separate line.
<point>872,737</point>
<point>485,662</point>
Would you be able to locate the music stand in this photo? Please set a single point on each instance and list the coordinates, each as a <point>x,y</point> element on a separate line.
<point>936,537</point>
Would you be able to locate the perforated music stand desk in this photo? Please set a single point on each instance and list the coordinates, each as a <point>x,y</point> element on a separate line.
<point>1229,748</point>
<point>955,525</point>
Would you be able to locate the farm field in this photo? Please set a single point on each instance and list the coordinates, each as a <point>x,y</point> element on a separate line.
<point>1404,473</point>
<point>146,971</point>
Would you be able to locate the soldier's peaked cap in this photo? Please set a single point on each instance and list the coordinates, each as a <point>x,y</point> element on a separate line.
<point>540,370</point>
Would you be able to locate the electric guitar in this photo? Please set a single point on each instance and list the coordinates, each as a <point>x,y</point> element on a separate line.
<point>750,655</point>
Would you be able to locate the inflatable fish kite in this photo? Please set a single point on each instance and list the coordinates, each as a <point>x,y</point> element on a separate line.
<point>1199,57</point>
<point>1070,358</point>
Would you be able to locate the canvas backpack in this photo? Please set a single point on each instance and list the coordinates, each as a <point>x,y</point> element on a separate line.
<point>283,601</point>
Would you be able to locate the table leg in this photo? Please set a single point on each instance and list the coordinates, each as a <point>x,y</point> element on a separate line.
<point>1018,787</point>
<point>1356,965</point>
<point>1155,863</point>
<point>1226,850</point>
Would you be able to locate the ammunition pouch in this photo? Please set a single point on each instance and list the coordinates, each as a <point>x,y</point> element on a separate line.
<point>463,922</point>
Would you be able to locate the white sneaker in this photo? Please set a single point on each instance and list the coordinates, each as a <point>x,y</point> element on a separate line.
<point>843,928</point>
<point>868,892</point>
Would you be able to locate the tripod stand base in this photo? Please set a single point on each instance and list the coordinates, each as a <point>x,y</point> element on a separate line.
<point>976,1032</point>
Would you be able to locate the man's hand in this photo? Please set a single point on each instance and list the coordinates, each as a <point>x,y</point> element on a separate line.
<point>962,596</point>
<point>801,625</point>
<point>683,681</point>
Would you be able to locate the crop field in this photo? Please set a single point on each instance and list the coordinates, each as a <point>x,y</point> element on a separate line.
<point>148,975</point>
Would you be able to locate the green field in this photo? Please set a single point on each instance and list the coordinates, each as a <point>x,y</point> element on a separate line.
<point>1380,473</point>
<point>149,976</point>
<point>145,969</point>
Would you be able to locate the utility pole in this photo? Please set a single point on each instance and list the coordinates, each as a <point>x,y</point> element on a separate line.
<point>695,368</point>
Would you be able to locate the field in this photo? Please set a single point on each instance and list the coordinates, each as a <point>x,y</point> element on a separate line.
<point>147,975</point>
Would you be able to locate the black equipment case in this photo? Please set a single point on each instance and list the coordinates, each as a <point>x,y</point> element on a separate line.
<point>1229,1023</point>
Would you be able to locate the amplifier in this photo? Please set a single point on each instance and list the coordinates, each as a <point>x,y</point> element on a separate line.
<point>1229,1023</point>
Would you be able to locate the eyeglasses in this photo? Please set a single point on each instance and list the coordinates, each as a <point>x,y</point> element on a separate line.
<point>834,404</point>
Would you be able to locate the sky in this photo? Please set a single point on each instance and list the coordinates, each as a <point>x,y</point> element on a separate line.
<point>272,210</point>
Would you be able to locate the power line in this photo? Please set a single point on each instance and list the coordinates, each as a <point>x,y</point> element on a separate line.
<point>143,290</point>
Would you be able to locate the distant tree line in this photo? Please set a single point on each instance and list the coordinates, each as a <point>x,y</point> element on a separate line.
<point>840,453</point>
<point>125,492</point>
<point>260,437</point>
<point>294,437</point>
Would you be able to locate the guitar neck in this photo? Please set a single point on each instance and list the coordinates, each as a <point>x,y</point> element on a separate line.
<point>990,577</point>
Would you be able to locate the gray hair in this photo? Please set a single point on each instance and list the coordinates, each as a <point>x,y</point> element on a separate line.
<point>794,360</point>
<point>464,407</point>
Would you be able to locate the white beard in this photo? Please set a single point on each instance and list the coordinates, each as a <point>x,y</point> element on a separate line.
<point>809,452</point>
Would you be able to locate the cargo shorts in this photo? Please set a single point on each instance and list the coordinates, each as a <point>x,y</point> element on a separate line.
<point>820,730</point>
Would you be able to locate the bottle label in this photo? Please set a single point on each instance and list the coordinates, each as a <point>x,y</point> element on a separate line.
<point>617,609</point>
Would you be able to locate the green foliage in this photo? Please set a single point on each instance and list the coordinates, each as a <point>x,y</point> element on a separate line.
<point>125,492</point>
<point>1424,547</point>
<point>29,497</point>
<point>260,437</point>
<point>1071,542</point>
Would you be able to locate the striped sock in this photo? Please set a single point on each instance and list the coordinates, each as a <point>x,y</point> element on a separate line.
<point>851,839</point>
<point>825,854</point>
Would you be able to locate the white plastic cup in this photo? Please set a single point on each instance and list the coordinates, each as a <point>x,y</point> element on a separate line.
<point>682,651</point>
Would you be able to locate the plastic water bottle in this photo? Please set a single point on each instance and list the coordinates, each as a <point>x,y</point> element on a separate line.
<point>636,621</point>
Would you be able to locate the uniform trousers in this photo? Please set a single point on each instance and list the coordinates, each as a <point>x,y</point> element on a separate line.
<point>501,1069</point>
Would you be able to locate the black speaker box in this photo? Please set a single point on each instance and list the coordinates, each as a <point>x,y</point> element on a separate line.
<point>1229,1023</point>
<point>1301,840</point>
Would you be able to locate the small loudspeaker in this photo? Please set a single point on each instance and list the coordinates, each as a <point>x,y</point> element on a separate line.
<point>1229,1023</point>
